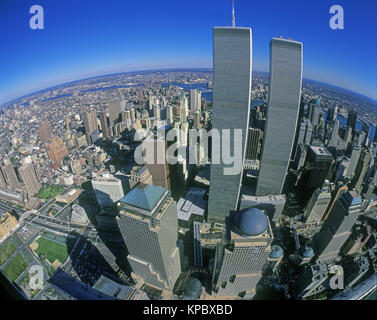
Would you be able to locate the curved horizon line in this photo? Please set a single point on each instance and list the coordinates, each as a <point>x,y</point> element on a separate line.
<point>166,70</point>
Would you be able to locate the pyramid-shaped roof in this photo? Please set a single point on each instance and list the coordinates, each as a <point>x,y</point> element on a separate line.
<point>144,196</point>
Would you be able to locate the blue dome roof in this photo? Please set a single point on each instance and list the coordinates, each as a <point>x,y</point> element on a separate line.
<point>306,251</point>
<point>250,222</point>
<point>276,251</point>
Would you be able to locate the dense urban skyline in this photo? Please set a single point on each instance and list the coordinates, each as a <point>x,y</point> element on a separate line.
<point>81,40</point>
<point>188,183</point>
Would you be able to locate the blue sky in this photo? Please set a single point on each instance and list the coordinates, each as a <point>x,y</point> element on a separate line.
<point>90,37</point>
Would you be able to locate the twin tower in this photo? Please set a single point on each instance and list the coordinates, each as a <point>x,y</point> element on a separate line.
<point>232,67</point>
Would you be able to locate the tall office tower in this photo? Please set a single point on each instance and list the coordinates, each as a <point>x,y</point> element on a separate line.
<point>45,131</point>
<point>305,132</point>
<point>282,113</point>
<point>317,165</point>
<point>133,117</point>
<point>310,281</point>
<point>331,115</point>
<point>348,135</point>
<point>67,121</point>
<point>10,174</point>
<point>360,139</point>
<point>148,223</point>
<point>156,112</point>
<point>317,205</point>
<point>195,100</point>
<point>299,160</point>
<point>337,227</point>
<point>89,119</point>
<point>334,135</point>
<point>315,110</point>
<point>341,169</point>
<point>242,254</point>
<point>335,194</point>
<point>254,144</point>
<point>197,124</point>
<point>361,169</point>
<point>159,167</point>
<point>57,149</point>
<point>169,114</point>
<point>370,183</point>
<point>232,66</point>
<point>29,178</point>
<point>303,136</point>
<point>3,182</point>
<point>114,111</point>
<point>355,156</point>
<point>104,125</point>
<point>183,107</point>
<point>107,189</point>
<point>351,120</point>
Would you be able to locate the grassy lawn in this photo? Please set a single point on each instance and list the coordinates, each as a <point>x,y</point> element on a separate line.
<point>51,250</point>
<point>6,251</point>
<point>49,191</point>
<point>15,268</point>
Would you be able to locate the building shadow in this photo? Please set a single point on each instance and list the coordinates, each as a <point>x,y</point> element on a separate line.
<point>87,262</point>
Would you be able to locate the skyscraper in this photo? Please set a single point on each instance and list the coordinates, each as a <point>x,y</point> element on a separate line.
<point>334,135</point>
<point>57,149</point>
<point>159,168</point>
<point>29,178</point>
<point>317,205</point>
<point>10,174</point>
<point>114,111</point>
<point>351,120</point>
<point>283,107</point>
<point>183,107</point>
<point>337,227</point>
<point>169,114</point>
<point>361,169</point>
<point>232,66</point>
<point>90,123</point>
<point>3,183</point>
<point>45,131</point>
<point>317,165</point>
<point>149,225</point>
<point>315,110</point>
<point>195,100</point>
<point>243,253</point>
<point>107,189</point>
<point>104,126</point>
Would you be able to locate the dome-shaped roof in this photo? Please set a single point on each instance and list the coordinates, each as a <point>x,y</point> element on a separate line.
<point>306,251</point>
<point>250,222</point>
<point>276,251</point>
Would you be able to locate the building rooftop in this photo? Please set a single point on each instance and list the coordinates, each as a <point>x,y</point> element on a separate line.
<point>250,222</point>
<point>76,288</point>
<point>144,196</point>
<point>276,251</point>
<point>193,203</point>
